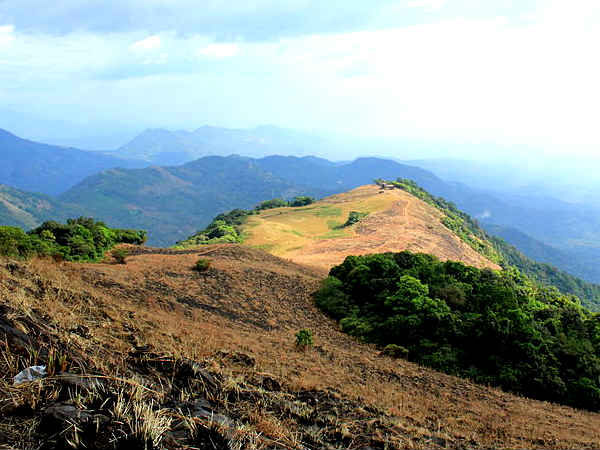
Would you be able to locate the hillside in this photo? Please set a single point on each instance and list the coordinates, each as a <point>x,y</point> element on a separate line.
<point>314,235</point>
<point>48,169</point>
<point>322,234</point>
<point>575,261</point>
<point>28,210</point>
<point>212,357</point>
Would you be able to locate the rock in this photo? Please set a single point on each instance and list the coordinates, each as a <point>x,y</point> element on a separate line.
<point>78,380</point>
<point>238,358</point>
<point>62,413</point>
<point>30,374</point>
<point>202,409</point>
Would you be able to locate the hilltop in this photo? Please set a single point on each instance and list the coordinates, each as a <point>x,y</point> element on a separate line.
<point>212,357</point>
<point>397,215</point>
<point>395,220</point>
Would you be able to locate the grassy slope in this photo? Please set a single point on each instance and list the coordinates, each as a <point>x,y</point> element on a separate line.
<point>27,210</point>
<point>340,394</point>
<point>397,221</point>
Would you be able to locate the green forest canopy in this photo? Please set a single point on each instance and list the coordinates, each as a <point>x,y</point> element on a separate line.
<point>82,239</point>
<point>496,328</point>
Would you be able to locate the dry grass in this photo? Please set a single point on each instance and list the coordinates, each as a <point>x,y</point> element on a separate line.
<point>397,221</point>
<point>253,303</point>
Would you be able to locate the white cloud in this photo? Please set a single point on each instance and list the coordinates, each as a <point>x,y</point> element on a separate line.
<point>428,5</point>
<point>6,34</point>
<point>219,50</point>
<point>147,44</point>
<point>533,82</point>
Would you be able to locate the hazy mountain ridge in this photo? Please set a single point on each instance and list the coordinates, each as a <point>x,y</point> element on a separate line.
<point>165,147</point>
<point>29,166</point>
<point>172,202</point>
<point>49,169</point>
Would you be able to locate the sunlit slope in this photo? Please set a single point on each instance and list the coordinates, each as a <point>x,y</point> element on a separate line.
<point>314,235</point>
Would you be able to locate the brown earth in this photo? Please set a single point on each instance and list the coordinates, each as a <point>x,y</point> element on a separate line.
<point>397,221</point>
<point>237,321</point>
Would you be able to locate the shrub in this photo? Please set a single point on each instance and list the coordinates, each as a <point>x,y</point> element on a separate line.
<point>304,339</point>
<point>201,265</point>
<point>301,201</point>
<point>395,351</point>
<point>82,239</point>
<point>119,255</point>
<point>271,204</point>
<point>354,217</point>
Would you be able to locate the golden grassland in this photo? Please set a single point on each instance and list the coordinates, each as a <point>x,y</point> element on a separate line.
<point>251,303</point>
<point>313,235</point>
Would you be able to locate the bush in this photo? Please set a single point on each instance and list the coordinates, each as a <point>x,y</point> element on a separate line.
<point>354,217</point>
<point>301,201</point>
<point>304,339</point>
<point>82,239</point>
<point>271,204</point>
<point>201,265</point>
<point>119,255</point>
<point>395,351</point>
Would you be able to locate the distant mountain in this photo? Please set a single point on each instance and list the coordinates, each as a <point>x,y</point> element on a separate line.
<point>576,263</point>
<point>164,147</point>
<point>173,202</point>
<point>27,210</point>
<point>49,169</point>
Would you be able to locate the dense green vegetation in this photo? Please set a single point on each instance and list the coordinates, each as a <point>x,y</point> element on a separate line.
<point>548,275</point>
<point>354,217</point>
<point>500,251</point>
<point>82,239</point>
<point>225,228</point>
<point>280,203</point>
<point>496,328</point>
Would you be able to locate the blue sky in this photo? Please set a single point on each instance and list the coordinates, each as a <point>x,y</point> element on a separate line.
<point>500,73</point>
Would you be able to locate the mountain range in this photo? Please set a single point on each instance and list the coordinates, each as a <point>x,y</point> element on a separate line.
<point>49,169</point>
<point>172,202</point>
<point>165,147</point>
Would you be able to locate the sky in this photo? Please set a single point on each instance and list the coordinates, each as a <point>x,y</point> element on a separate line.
<point>509,76</point>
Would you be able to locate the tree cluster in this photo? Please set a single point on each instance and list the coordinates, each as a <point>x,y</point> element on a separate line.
<point>82,239</point>
<point>497,328</point>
